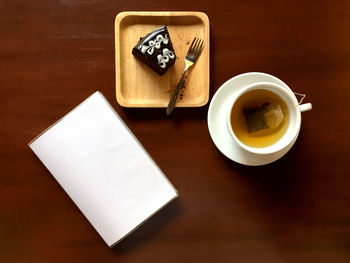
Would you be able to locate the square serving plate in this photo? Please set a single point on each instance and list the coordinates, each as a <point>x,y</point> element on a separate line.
<point>136,84</point>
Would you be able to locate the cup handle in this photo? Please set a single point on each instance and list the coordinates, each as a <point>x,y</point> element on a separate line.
<point>305,107</point>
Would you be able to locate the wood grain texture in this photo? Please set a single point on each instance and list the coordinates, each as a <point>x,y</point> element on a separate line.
<point>54,54</point>
<point>136,84</point>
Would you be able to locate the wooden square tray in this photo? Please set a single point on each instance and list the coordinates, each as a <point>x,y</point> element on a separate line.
<point>139,86</point>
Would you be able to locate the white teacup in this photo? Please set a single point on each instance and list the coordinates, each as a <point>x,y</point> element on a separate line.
<point>294,117</point>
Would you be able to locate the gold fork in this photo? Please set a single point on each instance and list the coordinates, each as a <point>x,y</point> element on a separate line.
<point>191,57</point>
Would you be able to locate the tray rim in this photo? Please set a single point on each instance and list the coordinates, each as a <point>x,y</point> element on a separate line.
<point>119,18</point>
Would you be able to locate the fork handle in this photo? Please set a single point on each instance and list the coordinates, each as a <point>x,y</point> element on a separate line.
<point>173,99</point>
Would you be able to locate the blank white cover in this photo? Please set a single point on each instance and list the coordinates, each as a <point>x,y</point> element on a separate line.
<point>103,168</point>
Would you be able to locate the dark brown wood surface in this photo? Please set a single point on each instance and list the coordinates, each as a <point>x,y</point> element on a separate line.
<point>54,54</point>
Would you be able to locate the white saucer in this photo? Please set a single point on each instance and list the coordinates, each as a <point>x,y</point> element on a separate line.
<point>217,119</point>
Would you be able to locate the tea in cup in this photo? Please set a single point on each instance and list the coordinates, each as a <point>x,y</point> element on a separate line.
<point>265,118</point>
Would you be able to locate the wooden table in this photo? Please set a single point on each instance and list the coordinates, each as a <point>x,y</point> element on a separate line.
<point>53,54</point>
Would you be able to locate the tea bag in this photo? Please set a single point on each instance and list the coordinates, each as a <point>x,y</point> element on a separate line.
<point>267,116</point>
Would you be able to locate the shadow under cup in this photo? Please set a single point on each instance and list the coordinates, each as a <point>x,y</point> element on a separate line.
<point>293,125</point>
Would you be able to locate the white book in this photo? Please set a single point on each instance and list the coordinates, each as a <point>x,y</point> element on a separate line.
<point>103,168</point>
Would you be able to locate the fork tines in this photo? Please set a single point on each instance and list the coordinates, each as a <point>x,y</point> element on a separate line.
<point>195,49</point>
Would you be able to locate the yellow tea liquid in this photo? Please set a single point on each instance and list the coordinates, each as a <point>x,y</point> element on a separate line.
<point>263,137</point>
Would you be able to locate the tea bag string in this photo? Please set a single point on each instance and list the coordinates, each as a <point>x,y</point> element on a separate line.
<point>303,96</point>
